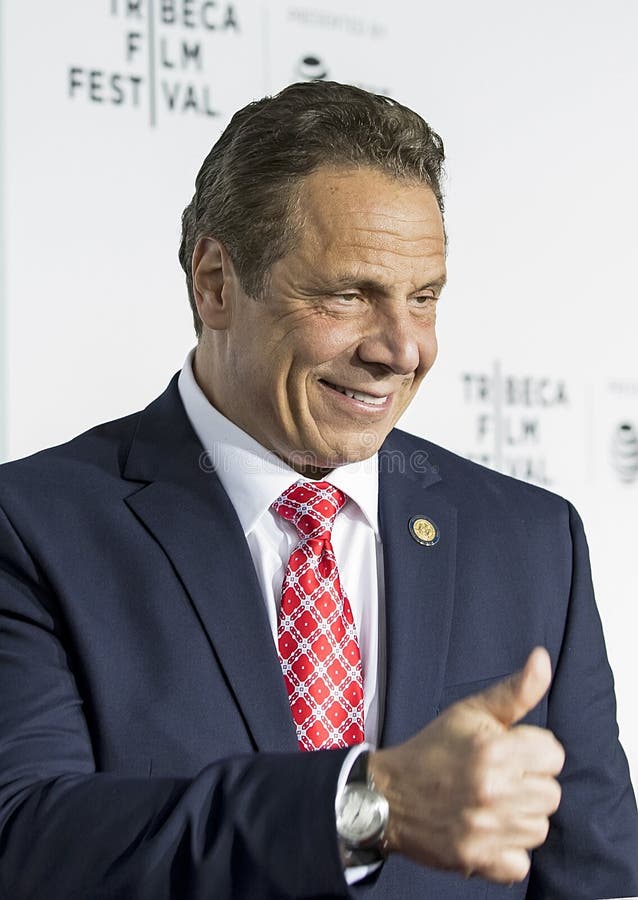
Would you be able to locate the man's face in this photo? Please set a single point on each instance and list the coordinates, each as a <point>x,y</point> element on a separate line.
<point>351,309</point>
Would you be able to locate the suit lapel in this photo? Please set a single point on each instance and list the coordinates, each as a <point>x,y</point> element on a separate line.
<point>419,587</point>
<point>186,509</point>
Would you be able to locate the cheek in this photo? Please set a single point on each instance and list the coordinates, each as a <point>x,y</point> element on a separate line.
<point>321,343</point>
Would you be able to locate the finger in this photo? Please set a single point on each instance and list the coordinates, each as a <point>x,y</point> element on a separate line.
<point>521,824</point>
<point>511,699</point>
<point>531,749</point>
<point>525,832</point>
<point>542,797</point>
<point>509,866</point>
<point>517,830</point>
<point>532,797</point>
<point>507,795</point>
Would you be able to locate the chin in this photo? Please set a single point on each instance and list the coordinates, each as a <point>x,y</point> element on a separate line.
<point>354,452</point>
<point>312,462</point>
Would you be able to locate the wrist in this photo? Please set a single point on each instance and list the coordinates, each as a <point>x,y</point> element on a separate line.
<point>380,775</point>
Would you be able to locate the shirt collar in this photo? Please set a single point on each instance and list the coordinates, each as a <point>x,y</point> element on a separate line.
<point>251,475</point>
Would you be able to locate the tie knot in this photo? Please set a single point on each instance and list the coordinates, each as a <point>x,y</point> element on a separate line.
<point>311,506</point>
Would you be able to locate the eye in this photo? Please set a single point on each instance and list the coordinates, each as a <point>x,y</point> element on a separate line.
<point>424,300</point>
<point>350,299</point>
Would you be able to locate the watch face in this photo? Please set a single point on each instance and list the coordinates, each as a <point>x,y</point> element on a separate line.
<point>361,815</point>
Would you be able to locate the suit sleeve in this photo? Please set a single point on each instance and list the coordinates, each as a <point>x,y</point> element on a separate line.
<point>592,848</point>
<point>256,827</point>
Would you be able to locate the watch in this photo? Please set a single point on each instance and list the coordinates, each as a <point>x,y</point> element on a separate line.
<point>362,818</point>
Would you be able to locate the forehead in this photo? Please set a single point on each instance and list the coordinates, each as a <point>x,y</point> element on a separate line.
<point>368,215</point>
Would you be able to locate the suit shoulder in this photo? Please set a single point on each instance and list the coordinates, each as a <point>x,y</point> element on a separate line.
<point>93,455</point>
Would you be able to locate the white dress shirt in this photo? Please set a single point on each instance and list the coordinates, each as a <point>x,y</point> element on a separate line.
<point>253,478</point>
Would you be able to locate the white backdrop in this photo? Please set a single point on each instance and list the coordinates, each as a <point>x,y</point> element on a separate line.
<point>109,106</point>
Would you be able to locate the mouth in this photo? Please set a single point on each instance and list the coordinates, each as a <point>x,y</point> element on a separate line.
<point>361,396</point>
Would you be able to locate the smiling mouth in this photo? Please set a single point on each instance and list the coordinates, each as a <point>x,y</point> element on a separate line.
<point>370,399</point>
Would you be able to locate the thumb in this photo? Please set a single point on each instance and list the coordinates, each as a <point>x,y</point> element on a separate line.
<point>511,699</point>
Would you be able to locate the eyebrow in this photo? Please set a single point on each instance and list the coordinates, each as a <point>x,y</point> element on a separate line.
<point>370,285</point>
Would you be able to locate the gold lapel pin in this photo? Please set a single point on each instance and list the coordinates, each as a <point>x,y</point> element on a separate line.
<point>424,531</point>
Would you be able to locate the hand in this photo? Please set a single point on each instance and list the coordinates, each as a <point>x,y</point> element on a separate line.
<point>473,791</point>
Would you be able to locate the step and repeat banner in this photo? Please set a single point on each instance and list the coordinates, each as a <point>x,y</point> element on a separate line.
<point>109,107</point>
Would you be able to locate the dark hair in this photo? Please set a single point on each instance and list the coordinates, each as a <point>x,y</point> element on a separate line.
<point>246,189</point>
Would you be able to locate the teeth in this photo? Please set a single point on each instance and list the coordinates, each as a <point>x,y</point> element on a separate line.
<point>364,398</point>
<point>367,398</point>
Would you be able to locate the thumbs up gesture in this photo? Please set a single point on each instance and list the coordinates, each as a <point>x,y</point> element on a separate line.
<point>473,791</point>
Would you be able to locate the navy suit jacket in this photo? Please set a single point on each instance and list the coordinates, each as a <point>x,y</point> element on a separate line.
<point>147,750</point>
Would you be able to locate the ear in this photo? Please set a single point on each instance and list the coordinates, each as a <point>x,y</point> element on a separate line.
<point>214,280</point>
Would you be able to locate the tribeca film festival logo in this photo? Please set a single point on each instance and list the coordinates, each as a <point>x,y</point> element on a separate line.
<point>508,424</point>
<point>164,45</point>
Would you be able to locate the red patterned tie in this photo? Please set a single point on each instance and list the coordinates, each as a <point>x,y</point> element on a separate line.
<point>317,639</point>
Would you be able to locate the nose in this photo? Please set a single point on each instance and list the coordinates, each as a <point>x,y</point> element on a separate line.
<point>393,341</point>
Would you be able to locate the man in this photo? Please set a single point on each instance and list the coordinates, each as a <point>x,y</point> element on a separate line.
<point>259,564</point>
